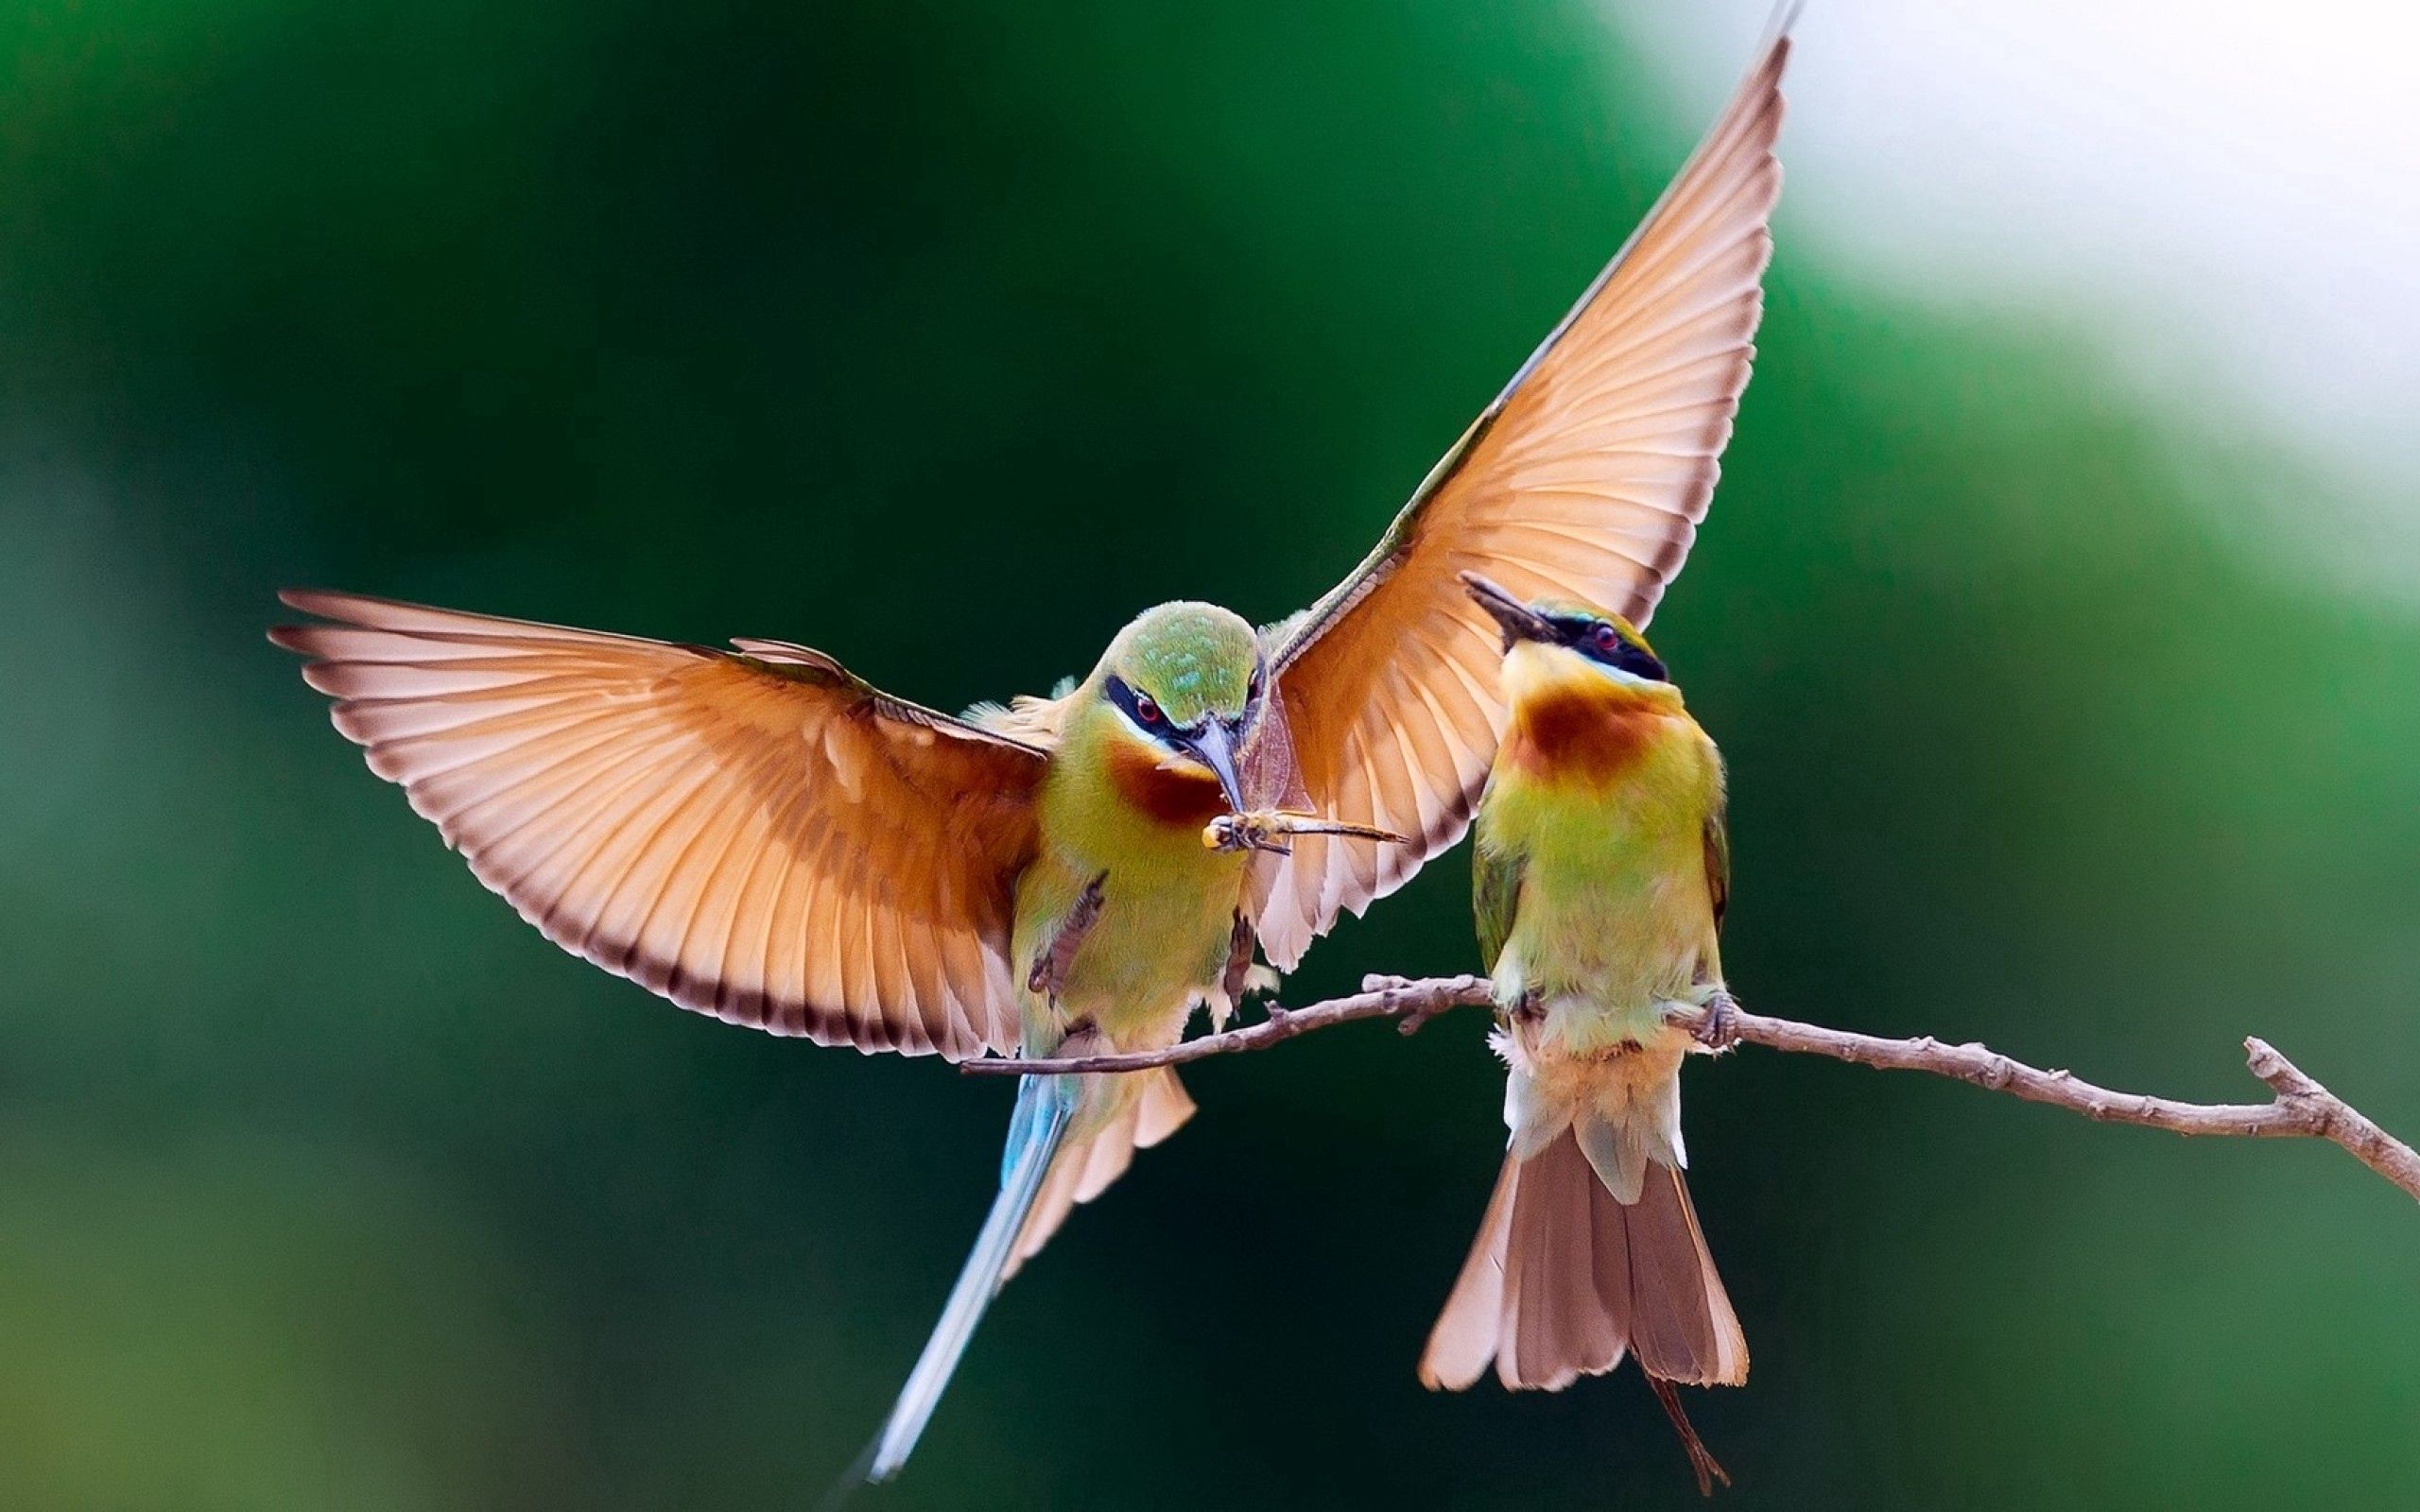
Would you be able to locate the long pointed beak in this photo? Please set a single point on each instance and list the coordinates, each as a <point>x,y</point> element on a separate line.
<point>1518,620</point>
<point>1215,747</point>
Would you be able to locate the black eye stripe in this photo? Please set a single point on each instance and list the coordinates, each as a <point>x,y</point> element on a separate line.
<point>1134,702</point>
<point>1581,635</point>
<point>1123,694</point>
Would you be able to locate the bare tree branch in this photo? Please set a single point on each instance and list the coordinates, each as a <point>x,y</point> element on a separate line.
<point>1381,997</point>
<point>2298,1106</point>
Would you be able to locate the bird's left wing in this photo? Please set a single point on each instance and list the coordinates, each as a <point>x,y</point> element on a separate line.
<point>763,837</point>
<point>1717,841</point>
<point>1585,480</point>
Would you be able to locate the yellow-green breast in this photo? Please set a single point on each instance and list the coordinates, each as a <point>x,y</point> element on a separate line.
<point>1168,903</point>
<point>1600,797</point>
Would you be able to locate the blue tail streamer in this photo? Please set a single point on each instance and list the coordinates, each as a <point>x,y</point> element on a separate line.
<point>1040,1122</point>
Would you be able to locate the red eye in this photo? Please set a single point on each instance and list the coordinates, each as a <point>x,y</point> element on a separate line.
<point>1148,711</point>
<point>1605,638</point>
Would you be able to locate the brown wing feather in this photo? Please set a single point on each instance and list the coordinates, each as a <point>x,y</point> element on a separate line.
<point>1586,479</point>
<point>764,837</point>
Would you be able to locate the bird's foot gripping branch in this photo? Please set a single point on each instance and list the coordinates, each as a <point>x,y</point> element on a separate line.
<point>2298,1105</point>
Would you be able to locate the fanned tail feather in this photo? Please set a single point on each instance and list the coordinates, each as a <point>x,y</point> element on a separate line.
<point>1565,1280</point>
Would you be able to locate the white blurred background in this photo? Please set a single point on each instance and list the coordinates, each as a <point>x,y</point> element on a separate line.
<point>2226,196</point>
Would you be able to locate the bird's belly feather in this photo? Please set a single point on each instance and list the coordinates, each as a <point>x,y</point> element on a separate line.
<point>1614,918</point>
<point>1158,945</point>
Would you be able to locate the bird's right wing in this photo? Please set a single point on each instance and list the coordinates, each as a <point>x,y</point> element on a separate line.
<point>763,837</point>
<point>1585,480</point>
<point>1495,899</point>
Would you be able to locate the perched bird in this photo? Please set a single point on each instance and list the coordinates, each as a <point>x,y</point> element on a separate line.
<point>762,836</point>
<point>1600,872</point>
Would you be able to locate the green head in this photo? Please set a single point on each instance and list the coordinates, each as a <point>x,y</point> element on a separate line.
<point>1596,635</point>
<point>1187,679</point>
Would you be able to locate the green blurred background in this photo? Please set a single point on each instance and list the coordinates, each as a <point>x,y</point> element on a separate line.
<point>947,337</point>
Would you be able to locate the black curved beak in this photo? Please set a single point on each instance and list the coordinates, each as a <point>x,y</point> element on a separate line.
<point>1519,622</point>
<point>1214,747</point>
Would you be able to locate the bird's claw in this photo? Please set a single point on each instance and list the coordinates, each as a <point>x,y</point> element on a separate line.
<point>1056,956</point>
<point>1242,978</point>
<point>1719,1029</point>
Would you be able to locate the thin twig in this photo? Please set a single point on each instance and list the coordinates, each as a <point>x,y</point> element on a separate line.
<point>2299,1107</point>
<point>1381,998</point>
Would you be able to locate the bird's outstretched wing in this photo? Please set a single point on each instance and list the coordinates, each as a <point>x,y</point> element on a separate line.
<point>762,836</point>
<point>1585,479</point>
